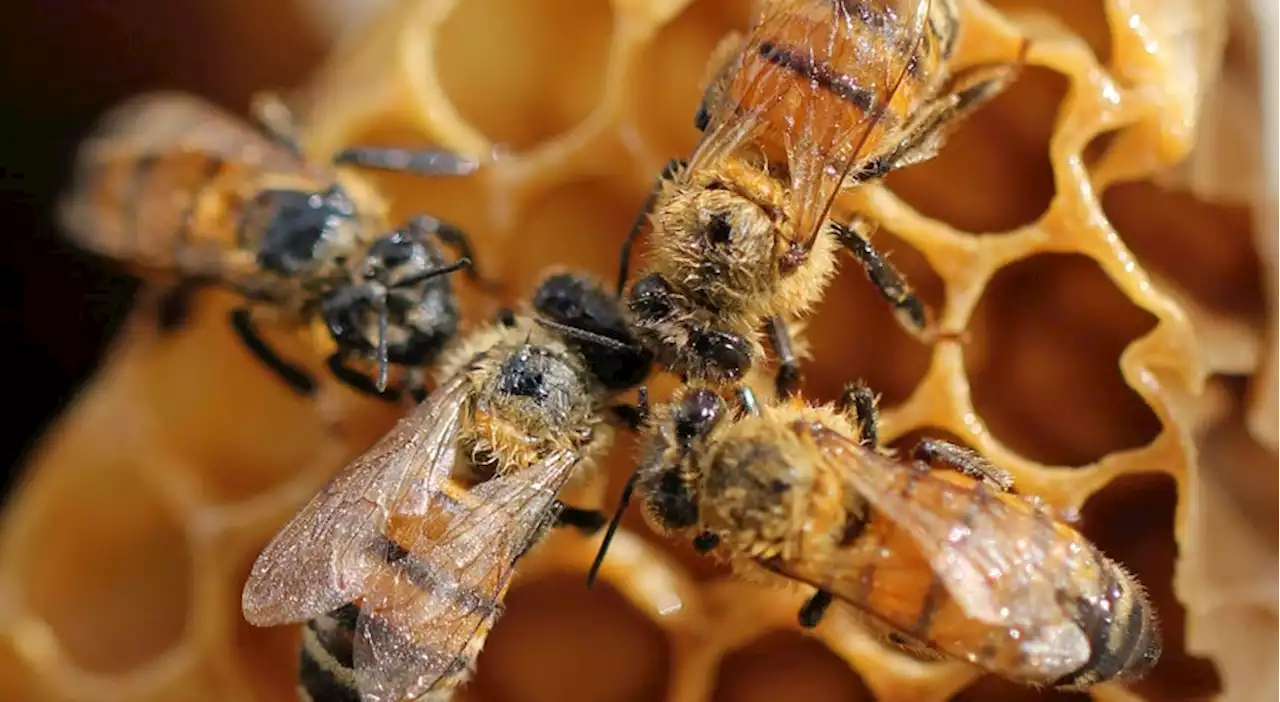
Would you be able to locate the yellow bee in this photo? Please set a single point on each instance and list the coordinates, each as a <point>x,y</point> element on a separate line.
<point>400,564</point>
<point>179,187</point>
<point>820,96</point>
<point>941,563</point>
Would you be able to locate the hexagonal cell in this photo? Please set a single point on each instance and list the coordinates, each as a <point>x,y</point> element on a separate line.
<point>592,629</point>
<point>994,689</point>
<point>547,77</point>
<point>993,173</point>
<point>16,681</point>
<point>1131,520</point>
<point>784,665</point>
<point>107,566</point>
<point>1087,20</point>
<point>579,226</point>
<point>241,427</point>
<point>855,334</point>
<point>1098,147</point>
<point>1206,249</point>
<point>671,70</point>
<point>1046,326</point>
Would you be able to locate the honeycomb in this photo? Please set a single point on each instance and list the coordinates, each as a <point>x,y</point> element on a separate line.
<point>1115,311</point>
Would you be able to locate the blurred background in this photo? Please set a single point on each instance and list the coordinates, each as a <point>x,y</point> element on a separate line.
<point>61,65</point>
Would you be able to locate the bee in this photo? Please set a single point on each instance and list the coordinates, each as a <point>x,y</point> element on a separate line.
<point>178,187</point>
<point>400,564</point>
<point>941,562</point>
<point>819,97</point>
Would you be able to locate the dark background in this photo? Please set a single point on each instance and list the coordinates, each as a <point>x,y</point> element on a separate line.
<point>62,63</point>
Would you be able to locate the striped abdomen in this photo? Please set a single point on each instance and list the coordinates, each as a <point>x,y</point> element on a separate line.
<point>1091,621</point>
<point>833,62</point>
<point>436,631</point>
<point>178,211</point>
<point>326,669</point>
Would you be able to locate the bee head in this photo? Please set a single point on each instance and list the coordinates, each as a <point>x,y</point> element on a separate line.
<point>664,321</point>
<point>295,226</point>
<point>401,308</point>
<point>576,303</point>
<point>541,378</point>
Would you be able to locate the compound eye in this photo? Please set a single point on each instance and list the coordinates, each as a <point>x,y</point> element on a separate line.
<point>727,354</point>
<point>698,413</point>
<point>650,298</point>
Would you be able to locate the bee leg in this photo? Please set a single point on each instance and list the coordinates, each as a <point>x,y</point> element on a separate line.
<point>505,317</point>
<point>294,377</point>
<point>813,609</point>
<point>634,416</point>
<point>859,402</point>
<point>922,136</point>
<point>174,306</point>
<point>426,225</point>
<point>337,364</point>
<point>893,287</point>
<point>277,120</point>
<point>705,542</point>
<point>788,376</point>
<point>624,263</point>
<point>421,161</point>
<point>721,63</point>
<point>970,463</point>
<point>587,521</point>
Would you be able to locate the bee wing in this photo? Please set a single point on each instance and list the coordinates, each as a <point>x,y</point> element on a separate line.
<point>1002,561</point>
<point>323,557</point>
<point>816,77</point>
<point>160,123</point>
<point>428,618</point>
<point>146,161</point>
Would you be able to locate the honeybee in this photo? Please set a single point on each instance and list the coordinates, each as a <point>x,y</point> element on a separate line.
<point>400,564</point>
<point>179,187</point>
<point>820,96</point>
<point>941,563</point>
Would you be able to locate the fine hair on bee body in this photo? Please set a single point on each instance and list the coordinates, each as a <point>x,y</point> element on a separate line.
<point>183,190</point>
<point>400,564</point>
<point>934,554</point>
<point>819,97</point>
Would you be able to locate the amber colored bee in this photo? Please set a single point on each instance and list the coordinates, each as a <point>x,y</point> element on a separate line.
<point>820,96</point>
<point>400,564</point>
<point>941,562</point>
<point>179,187</point>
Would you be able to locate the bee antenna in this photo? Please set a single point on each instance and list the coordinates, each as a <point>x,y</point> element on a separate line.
<point>623,502</point>
<point>584,335</point>
<point>383,322</point>
<point>416,278</point>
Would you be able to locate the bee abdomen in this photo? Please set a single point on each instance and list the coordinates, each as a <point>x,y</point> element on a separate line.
<point>326,670</point>
<point>1124,636</point>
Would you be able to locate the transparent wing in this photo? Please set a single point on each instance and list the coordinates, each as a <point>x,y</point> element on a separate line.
<point>323,557</point>
<point>813,85</point>
<point>427,620</point>
<point>1000,559</point>
<point>160,123</point>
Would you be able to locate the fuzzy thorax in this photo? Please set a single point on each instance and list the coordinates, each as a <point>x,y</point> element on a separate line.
<point>530,395</point>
